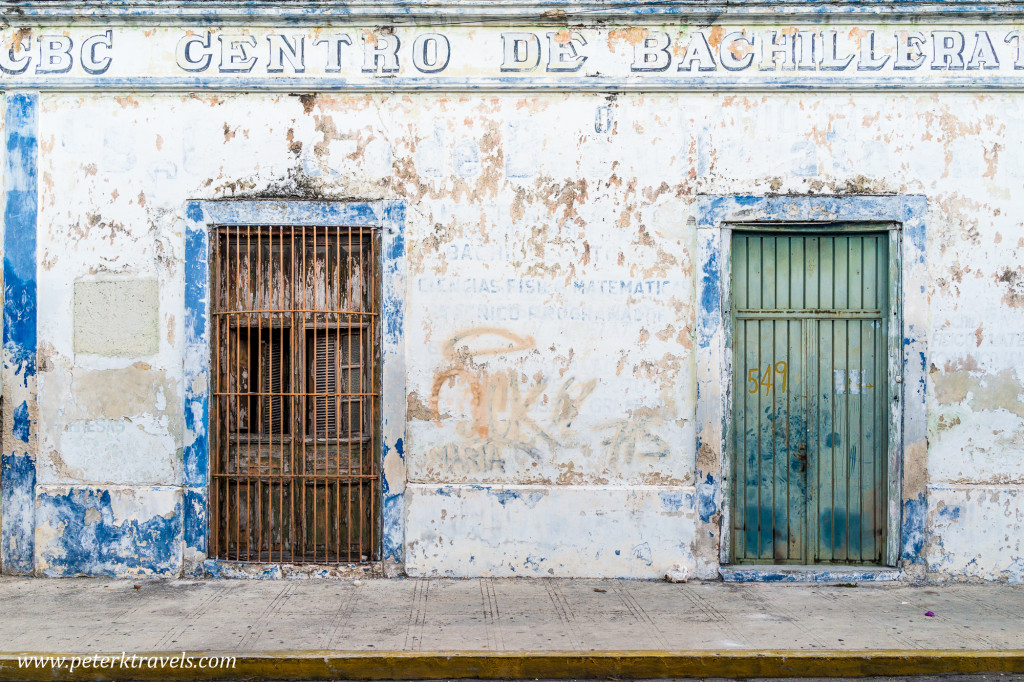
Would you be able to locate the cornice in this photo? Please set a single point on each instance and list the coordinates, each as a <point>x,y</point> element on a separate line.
<point>453,12</point>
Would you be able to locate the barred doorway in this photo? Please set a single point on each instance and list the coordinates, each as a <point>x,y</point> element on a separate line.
<point>294,394</point>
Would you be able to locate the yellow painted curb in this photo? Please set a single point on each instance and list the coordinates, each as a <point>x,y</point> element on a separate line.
<point>405,665</point>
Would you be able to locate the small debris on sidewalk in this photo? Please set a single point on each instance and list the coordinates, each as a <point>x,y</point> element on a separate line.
<point>677,574</point>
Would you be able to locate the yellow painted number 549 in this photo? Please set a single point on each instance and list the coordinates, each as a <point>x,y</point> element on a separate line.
<point>766,379</point>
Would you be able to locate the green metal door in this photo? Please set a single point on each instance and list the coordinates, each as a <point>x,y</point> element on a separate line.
<point>810,412</point>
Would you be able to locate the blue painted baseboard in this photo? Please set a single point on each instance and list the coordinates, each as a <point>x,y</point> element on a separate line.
<point>810,574</point>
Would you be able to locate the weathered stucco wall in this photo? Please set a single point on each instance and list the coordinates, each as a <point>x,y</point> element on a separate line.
<point>550,306</point>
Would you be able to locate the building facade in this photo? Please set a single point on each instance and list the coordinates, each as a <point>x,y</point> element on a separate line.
<point>562,289</point>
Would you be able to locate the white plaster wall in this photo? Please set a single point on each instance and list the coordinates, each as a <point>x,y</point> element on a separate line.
<point>529,366</point>
<point>103,418</point>
<point>976,532</point>
<point>545,531</point>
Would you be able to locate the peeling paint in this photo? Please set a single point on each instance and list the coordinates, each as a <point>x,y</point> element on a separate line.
<point>609,532</point>
<point>915,522</point>
<point>17,464</point>
<point>108,532</point>
<point>974,532</point>
<point>555,282</point>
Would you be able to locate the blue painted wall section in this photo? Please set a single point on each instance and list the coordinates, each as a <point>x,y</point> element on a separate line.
<point>392,512</point>
<point>18,465</point>
<point>196,451</point>
<point>711,290</point>
<point>195,521</point>
<point>22,426</point>
<point>393,353</point>
<point>200,216</point>
<point>709,499</point>
<point>20,216</point>
<point>92,540</point>
<point>915,519</point>
<point>834,575</point>
<point>910,212</point>
<point>712,397</point>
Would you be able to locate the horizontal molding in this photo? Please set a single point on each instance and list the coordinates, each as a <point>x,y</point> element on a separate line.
<point>293,213</point>
<point>421,487</point>
<point>43,488</point>
<point>327,12</point>
<point>1014,487</point>
<point>530,85</point>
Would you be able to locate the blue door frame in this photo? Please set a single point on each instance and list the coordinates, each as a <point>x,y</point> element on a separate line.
<point>201,216</point>
<point>715,217</point>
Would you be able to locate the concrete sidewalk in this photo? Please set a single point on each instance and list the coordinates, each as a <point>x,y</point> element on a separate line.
<point>522,628</point>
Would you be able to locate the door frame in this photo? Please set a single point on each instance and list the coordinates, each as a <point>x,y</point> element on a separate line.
<point>903,217</point>
<point>202,216</point>
<point>893,366</point>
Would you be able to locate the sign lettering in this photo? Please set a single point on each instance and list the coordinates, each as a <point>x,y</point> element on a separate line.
<point>714,53</point>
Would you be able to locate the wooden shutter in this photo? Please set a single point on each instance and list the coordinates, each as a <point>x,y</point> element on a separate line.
<point>272,385</point>
<point>324,372</point>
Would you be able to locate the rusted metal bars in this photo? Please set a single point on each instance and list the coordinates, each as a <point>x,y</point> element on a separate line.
<point>295,401</point>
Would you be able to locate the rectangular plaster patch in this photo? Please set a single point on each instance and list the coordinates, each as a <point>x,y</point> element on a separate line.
<point>117,318</point>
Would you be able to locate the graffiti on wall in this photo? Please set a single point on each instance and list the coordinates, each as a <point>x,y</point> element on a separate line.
<point>500,410</point>
<point>505,411</point>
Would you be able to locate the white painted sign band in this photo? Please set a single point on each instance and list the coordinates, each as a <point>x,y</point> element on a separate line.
<point>466,57</point>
